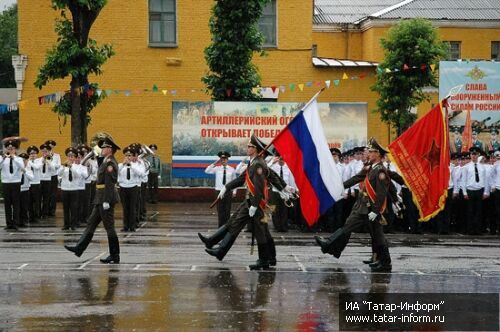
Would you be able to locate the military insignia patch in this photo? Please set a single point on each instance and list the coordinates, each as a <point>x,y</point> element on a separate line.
<point>110,169</point>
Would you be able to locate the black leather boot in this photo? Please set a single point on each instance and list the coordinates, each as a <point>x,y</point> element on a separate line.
<point>335,244</point>
<point>221,250</point>
<point>384,262</point>
<point>372,259</point>
<point>263,262</point>
<point>74,249</point>
<point>215,238</point>
<point>114,251</point>
<point>82,244</point>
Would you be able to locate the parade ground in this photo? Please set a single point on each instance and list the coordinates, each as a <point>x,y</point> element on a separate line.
<point>167,282</point>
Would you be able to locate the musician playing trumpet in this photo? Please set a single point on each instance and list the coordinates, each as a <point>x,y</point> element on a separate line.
<point>48,167</point>
<point>56,162</point>
<point>12,168</point>
<point>25,199</point>
<point>129,178</point>
<point>72,176</point>
<point>35,165</point>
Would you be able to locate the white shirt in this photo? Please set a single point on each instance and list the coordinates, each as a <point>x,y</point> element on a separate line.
<point>28,177</point>
<point>495,176</point>
<point>219,174</point>
<point>17,167</point>
<point>455,176</point>
<point>49,168</point>
<point>468,177</point>
<point>81,180</point>
<point>287,175</point>
<point>136,173</point>
<point>355,166</point>
<point>56,163</point>
<point>145,170</point>
<point>36,167</point>
<point>78,174</point>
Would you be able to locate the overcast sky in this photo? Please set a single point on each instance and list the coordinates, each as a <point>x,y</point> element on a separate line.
<point>4,3</point>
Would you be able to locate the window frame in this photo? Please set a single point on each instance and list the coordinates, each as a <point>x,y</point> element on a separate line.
<point>497,43</point>
<point>450,54</point>
<point>163,43</point>
<point>273,3</point>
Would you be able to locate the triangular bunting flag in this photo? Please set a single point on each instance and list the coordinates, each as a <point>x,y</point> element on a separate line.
<point>336,82</point>
<point>309,84</point>
<point>387,70</point>
<point>405,67</point>
<point>229,92</point>
<point>164,92</point>
<point>292,87</point>
<point>433,67</point>
<point>345,77</point>
<point>273,88</point>
<point>155,88</point>
<point>301,86</point>
<point>327,83</point>
<point>282,88</point>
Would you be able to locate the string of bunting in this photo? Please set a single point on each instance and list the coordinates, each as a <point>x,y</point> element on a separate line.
<point>292,87</point>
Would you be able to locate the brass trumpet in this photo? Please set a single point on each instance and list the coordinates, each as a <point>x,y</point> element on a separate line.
<point>88,156</point>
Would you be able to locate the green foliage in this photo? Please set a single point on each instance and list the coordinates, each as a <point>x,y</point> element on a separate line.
<point>8,46</point>
<point>235,38</point>
<point>412,43</point>
<point>78,56</point>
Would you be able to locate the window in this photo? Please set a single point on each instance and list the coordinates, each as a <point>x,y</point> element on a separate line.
<point>267,24</point>
<point>495,50</point>
<point>162,29</point>
<point>454,51</point>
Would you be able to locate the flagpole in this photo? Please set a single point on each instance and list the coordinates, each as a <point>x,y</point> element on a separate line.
<point>302,109</point>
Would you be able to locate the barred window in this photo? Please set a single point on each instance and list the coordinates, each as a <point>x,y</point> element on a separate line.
<point>267,24</point>
<point>162,23</point>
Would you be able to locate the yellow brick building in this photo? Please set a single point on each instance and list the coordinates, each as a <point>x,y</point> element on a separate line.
<point>321,28</point>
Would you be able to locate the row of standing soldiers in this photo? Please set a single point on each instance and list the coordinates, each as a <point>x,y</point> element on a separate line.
<point>30,183</point>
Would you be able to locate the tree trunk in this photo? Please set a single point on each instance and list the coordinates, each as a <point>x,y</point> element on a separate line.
<point>76,110</point>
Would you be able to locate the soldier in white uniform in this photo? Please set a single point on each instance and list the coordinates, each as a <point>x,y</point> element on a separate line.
<point>35,165</point>
<point>12,170</point>
<point>26,178</point>
<point>223,175</point>
<point>56,164</point>
<point>280,213</point>
<point>130,174</point>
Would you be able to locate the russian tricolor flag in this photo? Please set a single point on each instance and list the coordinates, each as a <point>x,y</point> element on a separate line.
<point>303,146</point>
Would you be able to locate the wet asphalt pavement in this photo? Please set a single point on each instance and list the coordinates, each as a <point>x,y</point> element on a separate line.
<point>167,282</point>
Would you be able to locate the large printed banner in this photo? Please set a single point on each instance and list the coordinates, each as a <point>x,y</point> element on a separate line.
<point>480,94</point>
<point>202,129</point>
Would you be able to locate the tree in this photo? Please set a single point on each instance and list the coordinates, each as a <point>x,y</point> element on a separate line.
<point>411,47</point>
<point>235,38</point>
<point>77,55</point>
<point>8,46</point>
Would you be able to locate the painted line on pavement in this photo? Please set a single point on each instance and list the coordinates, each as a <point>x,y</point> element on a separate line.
<point>137,267</point>
<point>419,272</point>
<point>301,266</point>
<point>475,273</point>
<point>81,267</point>
<point>22,266</point>
<point>193,268</point>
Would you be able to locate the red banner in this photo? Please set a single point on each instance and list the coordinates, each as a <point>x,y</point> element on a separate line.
<point>422,155</point>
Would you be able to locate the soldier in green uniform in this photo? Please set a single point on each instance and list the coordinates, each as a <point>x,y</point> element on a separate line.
<point>104,204</point>
<point>251,210</point>
<point>368,209</point>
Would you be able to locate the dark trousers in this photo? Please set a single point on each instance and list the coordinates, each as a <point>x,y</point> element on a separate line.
<point>129,198</point>
<point>12,203</point>
<point>357,221</point>
<point>25,204</point>
<point>224,208</point>
<point>335,219</point>
<point>444,217</point>
<point>70,200</point>
<point>280,213</point>
<point>411,214</point>
<point>45,187</point>
<point>107,217</point>
<point>92,195</point>
<point>144,189</point>
<point>153,187</point>
<point>53,192</point>
<point>85,206</point>
<point>474,211</point>
<point>496,201</point>
<point>35,202</point>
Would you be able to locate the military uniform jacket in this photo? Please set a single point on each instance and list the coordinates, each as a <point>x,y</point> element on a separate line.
<point>107,176</point>
<point>379,180</point>
<point>258,173</point>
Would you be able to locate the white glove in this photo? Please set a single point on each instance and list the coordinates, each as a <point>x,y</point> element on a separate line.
<point>372,216</point>
<point>222,193</point>
<point>396,208</point>
<point>252,210</point>
<point>105,205</point>
<point>289,189</point>
<point>284,195</point>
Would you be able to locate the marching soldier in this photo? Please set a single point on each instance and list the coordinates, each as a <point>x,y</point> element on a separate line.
<point>223,175</point>
<point>251,210</point>
<point>12,170</point>
<point>154,174</point>
<point>104,204</point>
<point>56,164</point>
<point>368,209</point>
<point>35,165</point>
